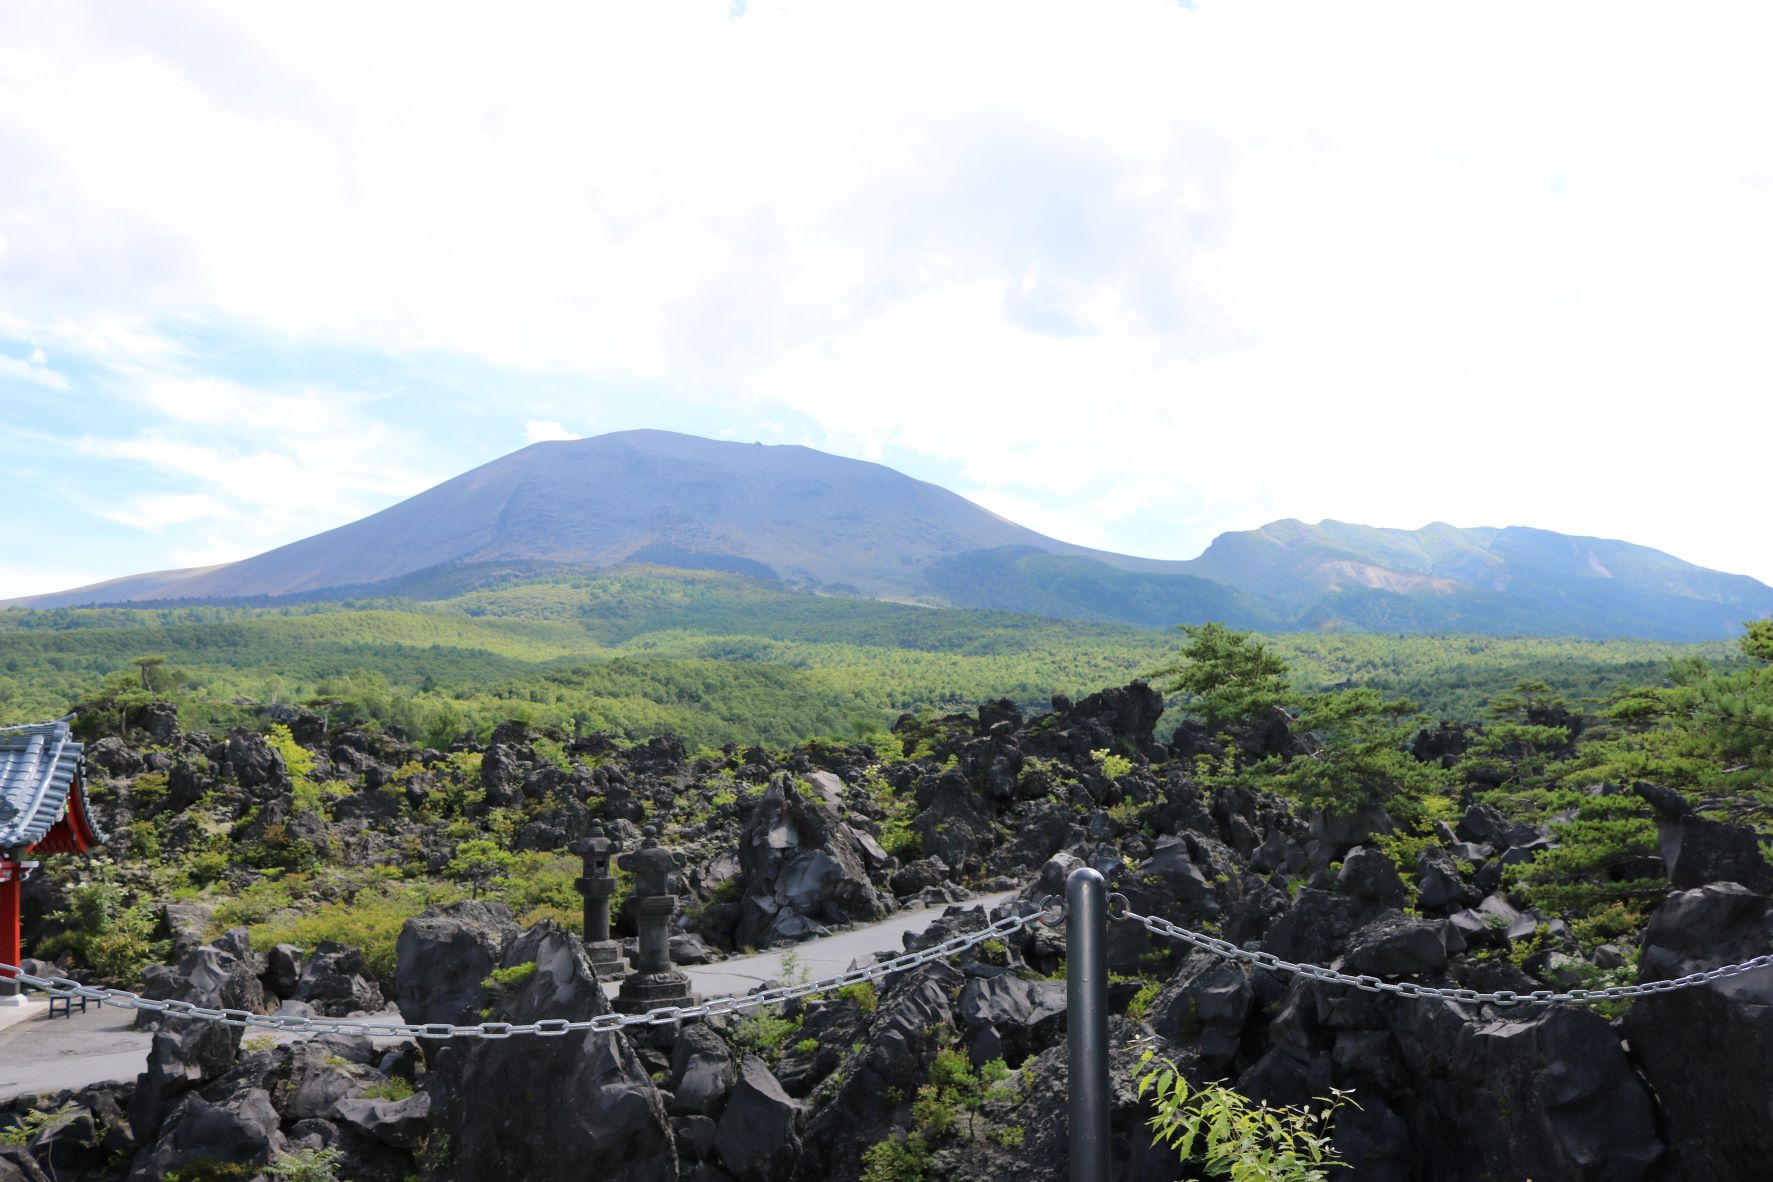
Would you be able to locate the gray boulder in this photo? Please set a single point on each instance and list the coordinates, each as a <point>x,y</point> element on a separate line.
<point>398,1124</point>
<point>1205,1006</point>
<point>1697,851</point>
<point>335,982</point>
<point>1547,1093</point>
<point>442,957</point>
<point>244,1131</point>
<point>577,1106</point>
<point>702,1072</point>
<point>1708,1050</point>
<point>1396,945</point>
<point>181,1056</point>
<point>1439,883</point>
<point>256,763</point>
<point>283,970</point>
<point>895,1059</point>
<point>1370,876</point>
<point>1007,1017</point>
<point>803,869</point>
<point>757,1138</point>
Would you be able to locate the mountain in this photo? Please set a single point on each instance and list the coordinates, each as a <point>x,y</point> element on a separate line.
<point>822,523</point>
<point>788,513</point>
<point>1441,578</point>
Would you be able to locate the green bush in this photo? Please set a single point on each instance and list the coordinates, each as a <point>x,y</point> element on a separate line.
<point>309,1165</point>
<point>897,1159</point>
<point>370,919</point>
<point>863,993</point>
<point>395,1087</point>
<point>106,932</point>
<point>1224,1135</point>
<point>764,1034</point>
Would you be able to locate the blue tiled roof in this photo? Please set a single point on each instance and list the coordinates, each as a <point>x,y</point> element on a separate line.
<point>37,767</point>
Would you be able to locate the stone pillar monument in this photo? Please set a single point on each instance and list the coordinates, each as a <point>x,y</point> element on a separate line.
<point>597,886</point>
<point>654,983</point>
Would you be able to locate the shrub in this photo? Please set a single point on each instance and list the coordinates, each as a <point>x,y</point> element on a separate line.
<point>896,1160</point>
<point>863,993</point>
<point>296,758</point>
<point>1223,1134</point>
<point>36,1121</point>
<point>309,1165</point>
<point>764,1034</point>
<point>370,919</point>
<point>516,975</point>
<point>107,933</point>
<point>395,1087</point>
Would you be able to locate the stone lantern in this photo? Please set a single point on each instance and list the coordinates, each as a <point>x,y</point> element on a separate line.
<point>654,983</point>
<point>597,885</point>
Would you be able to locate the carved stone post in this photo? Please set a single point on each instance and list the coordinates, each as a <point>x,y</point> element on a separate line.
<point>654,983</point>
<point>597,886</point>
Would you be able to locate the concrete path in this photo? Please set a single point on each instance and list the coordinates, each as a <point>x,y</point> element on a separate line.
<point>824,957</point>
<point>43,1056</point>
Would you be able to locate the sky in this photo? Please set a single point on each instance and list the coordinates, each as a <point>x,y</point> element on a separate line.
<point>1131,273</point>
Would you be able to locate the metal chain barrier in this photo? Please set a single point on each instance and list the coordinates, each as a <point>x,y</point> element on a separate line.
<point>1369,984</point>
<point>1051,914</point>
<point>546,1027</point>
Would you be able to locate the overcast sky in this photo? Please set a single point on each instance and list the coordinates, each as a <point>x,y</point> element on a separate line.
<point>1129,272</point>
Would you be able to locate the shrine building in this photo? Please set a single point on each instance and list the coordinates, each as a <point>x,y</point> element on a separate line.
<point>42,811</point>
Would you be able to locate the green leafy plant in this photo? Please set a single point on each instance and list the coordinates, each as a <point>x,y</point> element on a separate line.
<point>395,1087</point>
<point>1224,1135</point>
<point>509,978</point>
<point>307,1165</point>
<point>896,1159</point>
<point>764,1034</point>
<point>863,993</point>
<point>36,1121</point>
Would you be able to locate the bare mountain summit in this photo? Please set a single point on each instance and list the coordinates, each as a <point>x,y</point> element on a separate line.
<point>790,513</point>
<point>823,523</point>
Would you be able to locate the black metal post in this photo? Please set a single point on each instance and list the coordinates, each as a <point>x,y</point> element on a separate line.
<point>1086,1000</point>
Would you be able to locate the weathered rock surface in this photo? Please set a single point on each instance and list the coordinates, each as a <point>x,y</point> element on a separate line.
<point>803,869</point>
<point>444,955</point>
<point>572,1107</point>
<point>757,1136</point>
<point>1708,1050</point>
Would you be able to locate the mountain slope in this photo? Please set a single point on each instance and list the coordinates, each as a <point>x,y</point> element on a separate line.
<point>788,513</point>
<point>822,523</point>
<point>1510,580</point>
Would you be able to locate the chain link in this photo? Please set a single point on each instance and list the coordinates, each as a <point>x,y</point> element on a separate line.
<point>546,1027</point>
<point>1050,914</point>
<point>1369,984</point>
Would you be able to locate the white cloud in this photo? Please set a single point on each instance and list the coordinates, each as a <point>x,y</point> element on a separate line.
<point>540,430</point>
<point>1138,273</point>
<point>156,513</point>
<point>33,369</point>
<point>266,467</point>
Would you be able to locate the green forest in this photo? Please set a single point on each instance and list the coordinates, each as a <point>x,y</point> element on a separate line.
<point>713,657</point>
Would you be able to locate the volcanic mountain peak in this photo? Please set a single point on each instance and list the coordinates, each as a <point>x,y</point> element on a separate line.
<point>809,519</point>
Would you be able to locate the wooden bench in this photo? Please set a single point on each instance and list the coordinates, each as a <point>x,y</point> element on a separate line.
<point>64,1006</point>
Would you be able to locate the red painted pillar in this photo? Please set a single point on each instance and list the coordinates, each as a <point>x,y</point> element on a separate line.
<point>12,881</point>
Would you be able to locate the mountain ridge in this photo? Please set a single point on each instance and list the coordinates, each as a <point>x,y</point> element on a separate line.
<point>818,522</point>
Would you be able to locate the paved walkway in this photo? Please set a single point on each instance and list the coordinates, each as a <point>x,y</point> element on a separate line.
<point>41,1056</point>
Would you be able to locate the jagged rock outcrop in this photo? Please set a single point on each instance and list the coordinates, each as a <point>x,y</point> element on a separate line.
<point>335,982</point>
<point>803,869</point>
<point>443,956</point>
<point>1708,1050</point>
<point>577,1106</point>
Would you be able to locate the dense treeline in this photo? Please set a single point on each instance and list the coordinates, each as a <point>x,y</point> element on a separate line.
<point>714,657</point>
<point>1701,742</point>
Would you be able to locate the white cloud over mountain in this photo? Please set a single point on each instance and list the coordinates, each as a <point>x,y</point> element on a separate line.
<point>1129,272</point>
